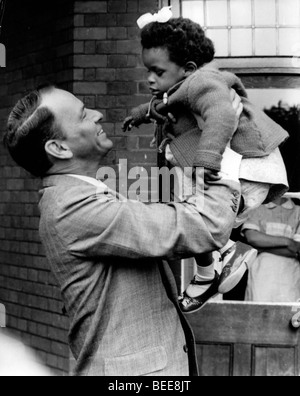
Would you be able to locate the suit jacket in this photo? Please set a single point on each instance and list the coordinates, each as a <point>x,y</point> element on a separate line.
<point>108,258</point>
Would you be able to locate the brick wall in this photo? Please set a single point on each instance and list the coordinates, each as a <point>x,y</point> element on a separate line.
<point>90,48</point>
<point>109,75</point>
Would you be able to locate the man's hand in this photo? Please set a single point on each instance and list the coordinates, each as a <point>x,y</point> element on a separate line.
<point>210,176</point>
<point>237,106</point>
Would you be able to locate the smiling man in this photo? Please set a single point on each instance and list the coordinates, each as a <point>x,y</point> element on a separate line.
<point>108,254</point>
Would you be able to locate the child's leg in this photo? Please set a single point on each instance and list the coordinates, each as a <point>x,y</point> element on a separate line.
<point>203,287</point>
<point>205,275</point>
<point>206,282</point>
<point>237,258</point>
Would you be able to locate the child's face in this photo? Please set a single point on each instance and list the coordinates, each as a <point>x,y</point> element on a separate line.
<point>163,73</point>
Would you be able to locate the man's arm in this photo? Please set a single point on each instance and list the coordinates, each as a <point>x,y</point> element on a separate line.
<point>134,230</point>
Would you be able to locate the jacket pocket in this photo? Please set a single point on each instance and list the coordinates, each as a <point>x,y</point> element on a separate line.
<point>142,363</point>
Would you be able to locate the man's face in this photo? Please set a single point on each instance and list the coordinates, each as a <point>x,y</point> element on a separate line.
<point>81,127</point>
<point>163,73</point>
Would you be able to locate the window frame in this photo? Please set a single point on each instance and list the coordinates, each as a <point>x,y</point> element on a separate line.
<point>287,65</point>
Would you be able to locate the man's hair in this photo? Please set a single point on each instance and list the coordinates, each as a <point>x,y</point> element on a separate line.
<point>29,127</point>
<point>184,39</point>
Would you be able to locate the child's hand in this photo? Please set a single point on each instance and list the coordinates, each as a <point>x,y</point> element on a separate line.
<point>128,124</point>
<point>210,176</point>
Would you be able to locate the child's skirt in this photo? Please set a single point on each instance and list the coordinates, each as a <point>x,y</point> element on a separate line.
<point>268,170</point>
<point>263,180</point>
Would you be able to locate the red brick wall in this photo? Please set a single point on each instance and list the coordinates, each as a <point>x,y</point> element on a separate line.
<point>90,48</point>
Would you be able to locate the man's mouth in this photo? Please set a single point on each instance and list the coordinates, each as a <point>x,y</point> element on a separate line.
<point>100,132</point>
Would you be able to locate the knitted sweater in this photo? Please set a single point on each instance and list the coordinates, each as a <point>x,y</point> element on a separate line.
<point>206,120</point>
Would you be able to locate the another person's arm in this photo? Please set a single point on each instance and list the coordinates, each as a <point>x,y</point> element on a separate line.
<point>279,246</point>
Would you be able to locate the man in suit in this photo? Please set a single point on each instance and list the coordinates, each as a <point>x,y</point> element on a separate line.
<point>108,253</point>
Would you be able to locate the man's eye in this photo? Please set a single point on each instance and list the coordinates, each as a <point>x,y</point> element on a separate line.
<point>159,73</point>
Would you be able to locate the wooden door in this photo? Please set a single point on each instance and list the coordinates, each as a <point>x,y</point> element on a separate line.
<point>247,339</point>
<point>241,338</point>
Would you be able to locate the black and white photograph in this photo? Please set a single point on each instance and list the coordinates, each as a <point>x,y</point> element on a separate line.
<point>150,191</point>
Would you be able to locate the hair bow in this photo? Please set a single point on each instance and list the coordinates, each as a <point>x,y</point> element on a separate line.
<point>163,16</point>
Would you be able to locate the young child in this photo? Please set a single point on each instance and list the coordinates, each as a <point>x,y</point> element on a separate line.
<point>186,82</point>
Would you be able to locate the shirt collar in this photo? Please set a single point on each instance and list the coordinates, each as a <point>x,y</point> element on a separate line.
<point>89,180</point>
<point>288,204</point>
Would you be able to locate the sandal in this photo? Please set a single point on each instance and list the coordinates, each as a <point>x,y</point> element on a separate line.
<point>190,305</point>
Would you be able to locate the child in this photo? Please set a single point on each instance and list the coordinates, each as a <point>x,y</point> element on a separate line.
<point>185,82</point>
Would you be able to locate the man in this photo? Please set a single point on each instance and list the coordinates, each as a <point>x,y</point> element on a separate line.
<point>107,255</point>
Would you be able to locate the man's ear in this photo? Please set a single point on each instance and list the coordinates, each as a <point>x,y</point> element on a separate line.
<point>190,68</point>
<point>58,149</point>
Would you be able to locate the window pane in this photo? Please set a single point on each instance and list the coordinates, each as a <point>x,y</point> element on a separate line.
<point>241,42</point>
<point>265,42</point>
<point>241,13</point>
<point>265,12</point>
<point>217,13</point>
<point>194,10</point>
<point>220,39</point>
<point>289,12</point>
<point>288,38</point>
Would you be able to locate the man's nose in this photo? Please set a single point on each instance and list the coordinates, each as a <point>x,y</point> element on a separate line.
<point>98,116</point>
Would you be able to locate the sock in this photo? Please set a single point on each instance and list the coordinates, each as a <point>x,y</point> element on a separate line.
<point>204,274</point>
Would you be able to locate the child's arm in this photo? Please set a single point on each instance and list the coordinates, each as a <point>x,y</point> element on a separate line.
<point>138,116</point>
<point>146,113</point>
<point>210,101</point>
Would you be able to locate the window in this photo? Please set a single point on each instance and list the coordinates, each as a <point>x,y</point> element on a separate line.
<point>267,31</point>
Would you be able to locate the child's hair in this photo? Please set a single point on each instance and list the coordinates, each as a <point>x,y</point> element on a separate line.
<point>184,39</point>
